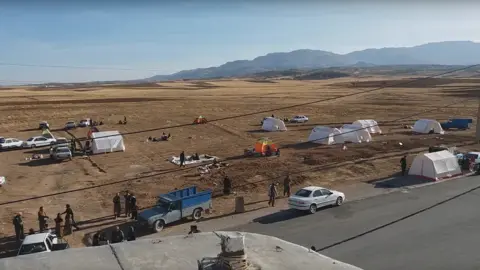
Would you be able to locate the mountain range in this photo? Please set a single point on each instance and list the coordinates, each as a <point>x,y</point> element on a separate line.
<point>438,53</point>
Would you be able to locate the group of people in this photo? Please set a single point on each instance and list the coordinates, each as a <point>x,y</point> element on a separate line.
<point>130,205</point>
<point>117,236</point>
<point>164,137</point>
<point>43,223</point>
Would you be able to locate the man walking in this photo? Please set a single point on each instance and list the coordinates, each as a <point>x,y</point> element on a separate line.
<point>18,224</point>
<point>403,164</point>
<point>272,194</point>
<point>69,218</point>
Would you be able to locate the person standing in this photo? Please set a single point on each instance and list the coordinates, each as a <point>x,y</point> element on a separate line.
<point>42,219</point>
<point>131,234</point>
<point>116,205</point>
<point>117,235</point>
<point>286,186</point>
<point>272,194</point>
<point>403,164</point>
<point>128,203</point>
<point>227,185</point>
<point>182,159</point>
<point>133,206</point>
<point>18,224</point>
<point>58,225</point>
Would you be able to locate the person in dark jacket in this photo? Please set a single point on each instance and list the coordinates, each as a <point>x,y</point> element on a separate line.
<point>69,219</point>
<point>286,186</point>
<point>117,235</point>
<point>95,240</point>
<point>116,206</point>
<point>42,219</point>
<point>227,185</point>
<point>128,206</point>
<point>135,212</point>
<point>58,225</point>
<point>182,159</point>
<point>272,194</point>
<point>131,234</point>
<point>403,164</point>
<point>18,224</point>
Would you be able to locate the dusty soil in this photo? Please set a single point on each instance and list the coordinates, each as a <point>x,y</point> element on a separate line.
<point>89,184</point>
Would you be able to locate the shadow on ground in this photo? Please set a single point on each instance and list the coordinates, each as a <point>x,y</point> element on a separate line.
<point>284,215</point>
<point>8,247</point>
<point>38,162</point>
<point>398,181</point>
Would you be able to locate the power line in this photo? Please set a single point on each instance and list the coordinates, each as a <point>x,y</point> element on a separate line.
<point>293,106</point>
<point>75,67</point>
<point>200,165</point>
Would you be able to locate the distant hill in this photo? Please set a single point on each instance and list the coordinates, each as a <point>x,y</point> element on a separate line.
<point>439,53</point>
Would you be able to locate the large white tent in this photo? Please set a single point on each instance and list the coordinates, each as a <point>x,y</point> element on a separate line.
<point>324,135</point>
<point>371,125</point>
<point>273,124</point>
<point>425,126</point>
<point>435,166</point>
<point>354,134</point>
<point>106,142</point>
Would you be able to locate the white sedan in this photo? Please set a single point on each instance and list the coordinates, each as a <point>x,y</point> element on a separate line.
<point>38,141</point>
<point>311,198</point>
<point>9,143</point>
<point>299,119</point>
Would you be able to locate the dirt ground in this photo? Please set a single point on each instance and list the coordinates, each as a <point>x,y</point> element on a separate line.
<point>90,184</point>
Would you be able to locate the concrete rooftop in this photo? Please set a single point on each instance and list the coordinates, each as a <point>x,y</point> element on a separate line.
<point>175,253</point>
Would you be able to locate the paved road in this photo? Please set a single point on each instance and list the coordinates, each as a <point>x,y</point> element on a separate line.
<point>446,236</point>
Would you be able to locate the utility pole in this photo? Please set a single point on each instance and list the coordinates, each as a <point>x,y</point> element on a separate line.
<point>478,122</point>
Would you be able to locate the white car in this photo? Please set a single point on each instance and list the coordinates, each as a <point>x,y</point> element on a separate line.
<point>10,143</point>
<point>40,243</point>
<point>38,141</point>
<point>299,119</point>
<point>311,198</point>
<point>84,122</point>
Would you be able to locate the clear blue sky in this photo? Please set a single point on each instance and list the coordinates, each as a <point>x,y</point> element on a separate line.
<point>166,37</point>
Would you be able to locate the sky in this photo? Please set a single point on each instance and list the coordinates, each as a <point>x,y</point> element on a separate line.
<point>142,38</point>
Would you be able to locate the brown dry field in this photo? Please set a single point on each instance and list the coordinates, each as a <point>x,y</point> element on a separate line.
<point>144,170</point>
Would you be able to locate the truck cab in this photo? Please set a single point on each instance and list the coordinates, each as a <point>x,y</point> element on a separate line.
<point>41,242</point>
<point>176,205</point>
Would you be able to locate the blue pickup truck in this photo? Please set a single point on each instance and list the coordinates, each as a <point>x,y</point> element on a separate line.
<point>175,206</point>
<point>457,123</point>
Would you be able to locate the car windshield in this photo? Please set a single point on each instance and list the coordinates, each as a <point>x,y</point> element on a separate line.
<point>32,248</point>
<point>303,193</point>
<point>63,150</point>
<point>163,203</point>
<point>469,156</point>
<point>31,139</point>
<point>70,123</point>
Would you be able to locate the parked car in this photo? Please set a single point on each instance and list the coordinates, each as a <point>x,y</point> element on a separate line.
<point>38,141</point>
<point>60,142</point>
<point>70,125</point>
<point>40,243</point>
<point>84,122</point>
<point>61,153</point>
<point>457,123</point>
<point>10,143</point>
<point>299,119</point>
<point>175,206</point>
<point>43,125</point>
<point>311,198</point>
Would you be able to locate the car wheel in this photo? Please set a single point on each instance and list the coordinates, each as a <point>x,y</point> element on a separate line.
<point>33,146</point>
<point>339,201</point>
<point>158,226</point>
<point>52,143</point>
<point>197,214</point>
<point>312,209</point>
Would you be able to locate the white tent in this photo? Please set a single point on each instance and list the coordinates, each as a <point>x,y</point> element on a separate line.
<point>273,124</point>
<point>424,126</point>
<point>107,141</point>
<point>371,125</point>
<point>435,166</point>
<point>354,134</point>
<point>324,135</point>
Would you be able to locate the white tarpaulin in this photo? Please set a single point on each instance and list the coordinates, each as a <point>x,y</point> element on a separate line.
<point>273,124</point>
<point>435,166</point>
<point>425,126</point>
<point>324,135</point>
<point>371,126</point>
<point>106,142</point>
<point>190,160</point>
